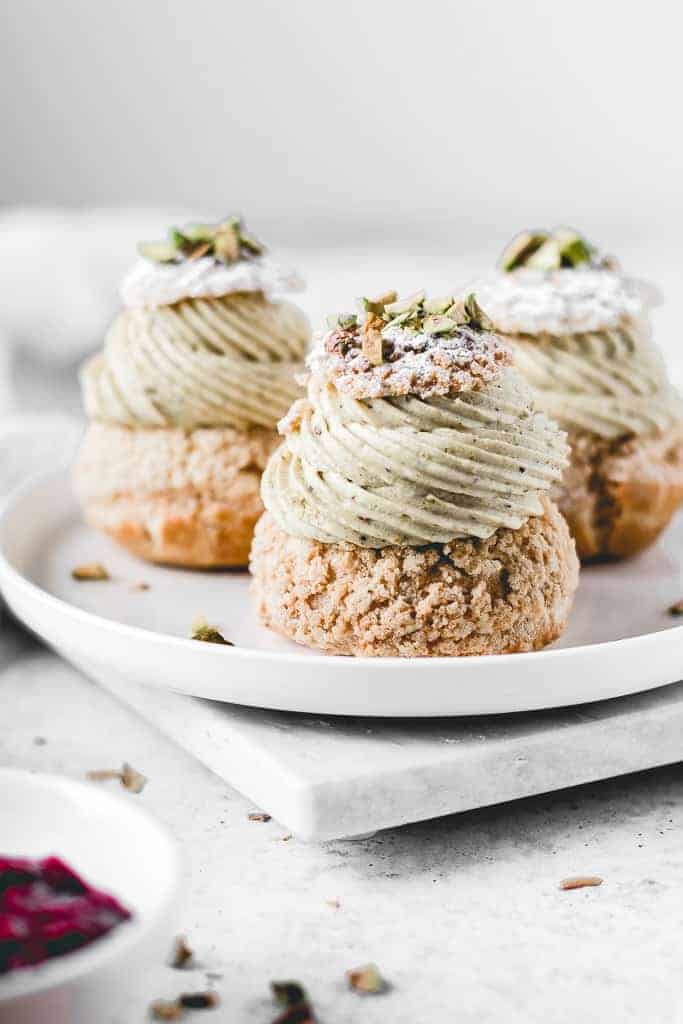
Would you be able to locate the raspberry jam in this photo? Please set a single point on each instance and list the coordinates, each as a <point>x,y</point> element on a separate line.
<point>46,910</point>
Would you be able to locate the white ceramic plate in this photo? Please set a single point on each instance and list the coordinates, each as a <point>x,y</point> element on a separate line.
<point>117,847</point>
<point>620,639</point>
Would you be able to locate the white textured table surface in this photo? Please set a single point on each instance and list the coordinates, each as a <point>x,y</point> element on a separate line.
<point>463,914</point>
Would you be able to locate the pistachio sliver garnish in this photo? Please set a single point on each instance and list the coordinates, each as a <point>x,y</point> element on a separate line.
<point>438,325</point>
<point>573,250</point>
<point>404,305</point>
<point>201,630</point>
<point>378,305</point>
<point>547,257</point>
<point>522,246</point>
<point>343,321</point>
<point>158,252</point>
<point>226,245</point>
<point>475,315</point>
<point>434,307</point>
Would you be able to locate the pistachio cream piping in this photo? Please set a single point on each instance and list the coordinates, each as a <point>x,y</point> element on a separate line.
<point>228,361</point>
<point>611,383</point>
<point>412,469</point>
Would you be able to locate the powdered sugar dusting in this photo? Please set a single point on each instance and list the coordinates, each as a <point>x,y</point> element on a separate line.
<point>162,284</point>
<point>530,301</point>
<point>414,363</point>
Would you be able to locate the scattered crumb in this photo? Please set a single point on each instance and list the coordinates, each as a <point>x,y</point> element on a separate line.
<point>580,882</point>
<point>182,954</point>
<point>174,1009</point>
<point>199,1000</point>
<point>292,996</point>
<point>259,816</point>
<point>39,741</point>
<point>367,980</point>
<point>140,586</point>
<point>333,903</point>
<point>90,571</point>
<point>163,1009</point>
<point>285,839</point>
<point>208,634</point>
<point>129,778</point>
<point>677,608</point>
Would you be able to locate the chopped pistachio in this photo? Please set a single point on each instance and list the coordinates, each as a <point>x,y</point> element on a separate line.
<point>378,304</point>
<point>373,346</point>
<point>179,239</point>
<point>199,233</point>
<point>226,244</point>
<point>367,980</point>
<point>438,306</point>
<point>208,634</point>
<point>574,250</point>
<point>476,317</point>
<point>522,246</point>
<point>258,816</point>
<point>158,252</point>
<point>200,250</point>
<point>547,257</point>
<point>401,319</point>
<point>344,321</point>
<point>90,571</point>
<point>438,325</point>
<point>226,241</point>
<point>404,305</point>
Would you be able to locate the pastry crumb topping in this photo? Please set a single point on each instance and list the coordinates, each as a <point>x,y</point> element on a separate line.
<point>407,346</point>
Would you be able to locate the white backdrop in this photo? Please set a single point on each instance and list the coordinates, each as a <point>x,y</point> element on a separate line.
<point>326,119</point>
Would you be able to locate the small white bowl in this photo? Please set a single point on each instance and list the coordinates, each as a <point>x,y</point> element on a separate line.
<point>115,846</point>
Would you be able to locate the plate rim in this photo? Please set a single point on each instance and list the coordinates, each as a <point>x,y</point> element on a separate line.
<point>9,572</point>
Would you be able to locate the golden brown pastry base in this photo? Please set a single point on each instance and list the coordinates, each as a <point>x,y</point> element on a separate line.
<point>618,496</point>
<point>512,592</point>
<point>186,498</point>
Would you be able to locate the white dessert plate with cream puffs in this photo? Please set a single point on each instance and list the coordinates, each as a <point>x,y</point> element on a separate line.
<point>136,625</point>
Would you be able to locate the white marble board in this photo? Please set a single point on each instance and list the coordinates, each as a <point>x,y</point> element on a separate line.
<point>330,778</point>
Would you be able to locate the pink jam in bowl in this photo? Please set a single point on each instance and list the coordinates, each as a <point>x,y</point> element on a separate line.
<point>46,910</point>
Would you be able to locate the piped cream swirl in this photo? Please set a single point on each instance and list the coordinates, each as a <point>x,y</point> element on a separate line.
<point>228,361</point>
<point>611,383</point>
<point>412,471</point>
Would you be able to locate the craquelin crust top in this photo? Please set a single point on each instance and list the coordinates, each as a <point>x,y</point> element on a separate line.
<point>426,354</point>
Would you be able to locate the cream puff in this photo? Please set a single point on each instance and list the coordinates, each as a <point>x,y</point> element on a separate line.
<point>407,509</point>
<point>184,399</point>
<point>581,334</point>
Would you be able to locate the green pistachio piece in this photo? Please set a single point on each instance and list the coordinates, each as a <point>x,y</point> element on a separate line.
<point>521,248</point>
<point>250,244</point>
<point>200,232</point>
<point>179,239</point>
<point>547,257</point>
<point>438,325</point>
<point>158,252</point>
<point>344,321</point>
<point>226,245</point>
<point>377,306</point>
<point>476,317</point>
<point>401,319</point>
<point>573,248</point>
<point>412,302</point>
<point>438,306</point>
